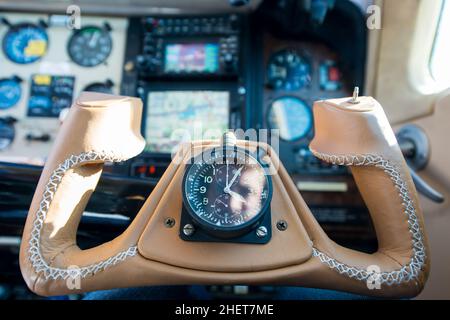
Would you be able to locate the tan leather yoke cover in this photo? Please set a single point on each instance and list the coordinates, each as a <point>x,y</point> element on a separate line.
<point>101,128</point>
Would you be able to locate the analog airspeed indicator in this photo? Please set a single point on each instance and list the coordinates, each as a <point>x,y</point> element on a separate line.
<point>229,191</point>
<point>25,43</point>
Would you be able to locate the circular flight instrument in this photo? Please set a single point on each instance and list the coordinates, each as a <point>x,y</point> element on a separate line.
<point>25,43</point>
<point>226,192</point>
<point>7,133</point>
<point>90,46</point>
<point>100,87</point>
<point>10,92</point>
<point>291,116</point>
<point>287,70</point>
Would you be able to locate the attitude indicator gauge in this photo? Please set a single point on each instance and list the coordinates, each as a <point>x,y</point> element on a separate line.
<point>291,116</point>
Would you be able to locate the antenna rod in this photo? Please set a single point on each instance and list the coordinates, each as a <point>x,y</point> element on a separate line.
<point>354,99</point>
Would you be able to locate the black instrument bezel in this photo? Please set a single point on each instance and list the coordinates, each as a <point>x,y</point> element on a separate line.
<point>76,33</point>
<point>235,233</point>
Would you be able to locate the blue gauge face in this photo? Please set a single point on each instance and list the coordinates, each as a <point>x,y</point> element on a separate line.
<point>25,43</point>
<point>10,93</point>
<point>287,70</point>
<point>7,134</point>
<point>291,116</point>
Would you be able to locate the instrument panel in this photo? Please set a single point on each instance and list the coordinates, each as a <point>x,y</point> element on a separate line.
<point>197,77</point>
<point>189,76</point>
<point>297,74</point>
<point>44,66</point>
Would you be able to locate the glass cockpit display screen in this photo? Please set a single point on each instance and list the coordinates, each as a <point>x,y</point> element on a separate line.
<point>191,57</point>
<point>174,116</point>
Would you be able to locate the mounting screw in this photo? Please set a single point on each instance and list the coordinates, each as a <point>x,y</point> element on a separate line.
<point>261,232</point>
<point>188,229</point>
<point>282,225</point>
<point>169,222</point>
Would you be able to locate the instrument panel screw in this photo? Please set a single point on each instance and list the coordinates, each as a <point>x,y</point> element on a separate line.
<point>282,225</point>
<point>188,229</point>
<point>261,232</point>
<point>129,66</point>
<point>169,222</point>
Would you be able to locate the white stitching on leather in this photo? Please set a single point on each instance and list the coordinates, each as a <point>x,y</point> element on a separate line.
<point>37,260</point>
<point>413,268</point>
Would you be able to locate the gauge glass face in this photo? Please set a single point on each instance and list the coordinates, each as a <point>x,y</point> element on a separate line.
<point>227,190</point>
<point>287,70</point>
<point>6,135</point>
<point>10,93</point>
<point>25,43</point>
<point>90,46</point>
<point>291,116</point>
<point>99,87</point>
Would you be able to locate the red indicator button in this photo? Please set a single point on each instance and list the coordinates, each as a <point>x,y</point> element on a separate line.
<point>333,74</point>
<point>141,169</point>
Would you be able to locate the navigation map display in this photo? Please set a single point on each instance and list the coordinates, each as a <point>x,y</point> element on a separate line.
<point>192,57</point>
<point>174,116</point>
